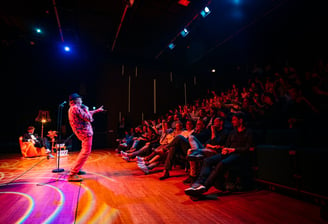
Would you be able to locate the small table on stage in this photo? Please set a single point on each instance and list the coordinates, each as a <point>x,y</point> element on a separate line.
<point>60,149</point>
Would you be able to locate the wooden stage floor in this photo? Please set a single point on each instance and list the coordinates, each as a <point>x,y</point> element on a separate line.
<point>116,191</point>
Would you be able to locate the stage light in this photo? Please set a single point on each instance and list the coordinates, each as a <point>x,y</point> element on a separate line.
<point>184,2</point>
<point>237,2</point>
<point>213,70</point>
<point>184,32</point>
<point>67,48</point>
<point>205,12</point>
<point>171,46</point>
<point>38,30</point>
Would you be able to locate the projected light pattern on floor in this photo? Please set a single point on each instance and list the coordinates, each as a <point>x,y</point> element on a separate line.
<point>28,211</point>
<point>37,183</point>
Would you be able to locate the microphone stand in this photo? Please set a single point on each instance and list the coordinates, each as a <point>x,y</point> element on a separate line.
<point>59,122</point>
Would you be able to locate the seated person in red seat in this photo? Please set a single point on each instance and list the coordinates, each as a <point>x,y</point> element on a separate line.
<point>35,139</point>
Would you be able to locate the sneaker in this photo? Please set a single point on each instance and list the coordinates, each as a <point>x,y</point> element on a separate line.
<point>81,172</point>
<point>144,168</point>
<point>124,154</point>
<point>126,158</point>
<point>141,162</point>
<point>74,178</point>
<point>140,159</point>
<point>195,185</point>
<point>188,190</point>
<point>189,180</point>
<point>192,191</point>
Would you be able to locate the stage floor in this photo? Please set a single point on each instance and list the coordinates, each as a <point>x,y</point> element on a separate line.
<point>116,191</point>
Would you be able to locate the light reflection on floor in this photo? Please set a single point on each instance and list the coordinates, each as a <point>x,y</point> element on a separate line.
<point>42,196</point>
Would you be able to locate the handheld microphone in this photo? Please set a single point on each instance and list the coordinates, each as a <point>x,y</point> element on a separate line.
<point>84,107</point>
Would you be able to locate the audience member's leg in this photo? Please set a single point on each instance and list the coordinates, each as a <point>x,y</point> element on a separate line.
<point>168,162</point>
<point>143,151</point>
<point>207,168</point>
<point>218,170</point>
<point>177,141</point>
<point>195,143</point>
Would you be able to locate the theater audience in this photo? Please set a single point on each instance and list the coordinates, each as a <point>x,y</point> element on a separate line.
<point>272,98</point>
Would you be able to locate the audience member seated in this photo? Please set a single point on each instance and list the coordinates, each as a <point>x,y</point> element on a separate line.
<point>235,153</point>
<point>213,146</point>
<point>31,145</point>
<point>151,141</point>
<point>126,142</point>
<point>159,154</point>
<point>180,145</point>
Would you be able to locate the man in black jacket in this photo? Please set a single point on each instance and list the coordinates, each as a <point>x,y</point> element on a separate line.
<point>37,141</point>
<point>235,152</point>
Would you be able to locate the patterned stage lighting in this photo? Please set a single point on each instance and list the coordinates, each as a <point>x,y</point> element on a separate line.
<point>205,12</point>
<point>184,32</point>
<point>171,46</point>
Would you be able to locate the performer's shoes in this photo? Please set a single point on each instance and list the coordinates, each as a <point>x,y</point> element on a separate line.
<point>74,178</point>
<point>81,172</point>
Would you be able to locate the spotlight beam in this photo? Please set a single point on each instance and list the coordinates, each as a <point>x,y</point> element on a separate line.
<point>58,21</point>
<point>119,27</point>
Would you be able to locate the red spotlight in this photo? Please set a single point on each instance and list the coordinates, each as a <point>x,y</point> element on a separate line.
<point>184,2</point>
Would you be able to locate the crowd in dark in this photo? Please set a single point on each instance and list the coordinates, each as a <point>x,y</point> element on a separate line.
<point>218,131</point>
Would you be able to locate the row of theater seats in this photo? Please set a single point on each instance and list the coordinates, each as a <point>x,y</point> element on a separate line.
<point>293,160</point>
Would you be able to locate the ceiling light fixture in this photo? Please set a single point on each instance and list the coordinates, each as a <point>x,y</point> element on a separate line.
<point>184,2</point>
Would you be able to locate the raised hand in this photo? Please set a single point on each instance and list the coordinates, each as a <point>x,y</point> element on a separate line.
<point>100,109</point>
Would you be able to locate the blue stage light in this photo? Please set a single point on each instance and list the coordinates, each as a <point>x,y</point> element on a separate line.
<point>237,2</point>
<point>184,32</point>
<point>171,46</point>
<point>67,48</point>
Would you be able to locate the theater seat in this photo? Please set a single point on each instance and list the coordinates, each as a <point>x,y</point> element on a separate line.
<point>29,150</point>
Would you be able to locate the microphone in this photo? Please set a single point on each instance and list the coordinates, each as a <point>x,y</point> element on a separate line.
<point>63,103</point>
<point>84,107</point>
